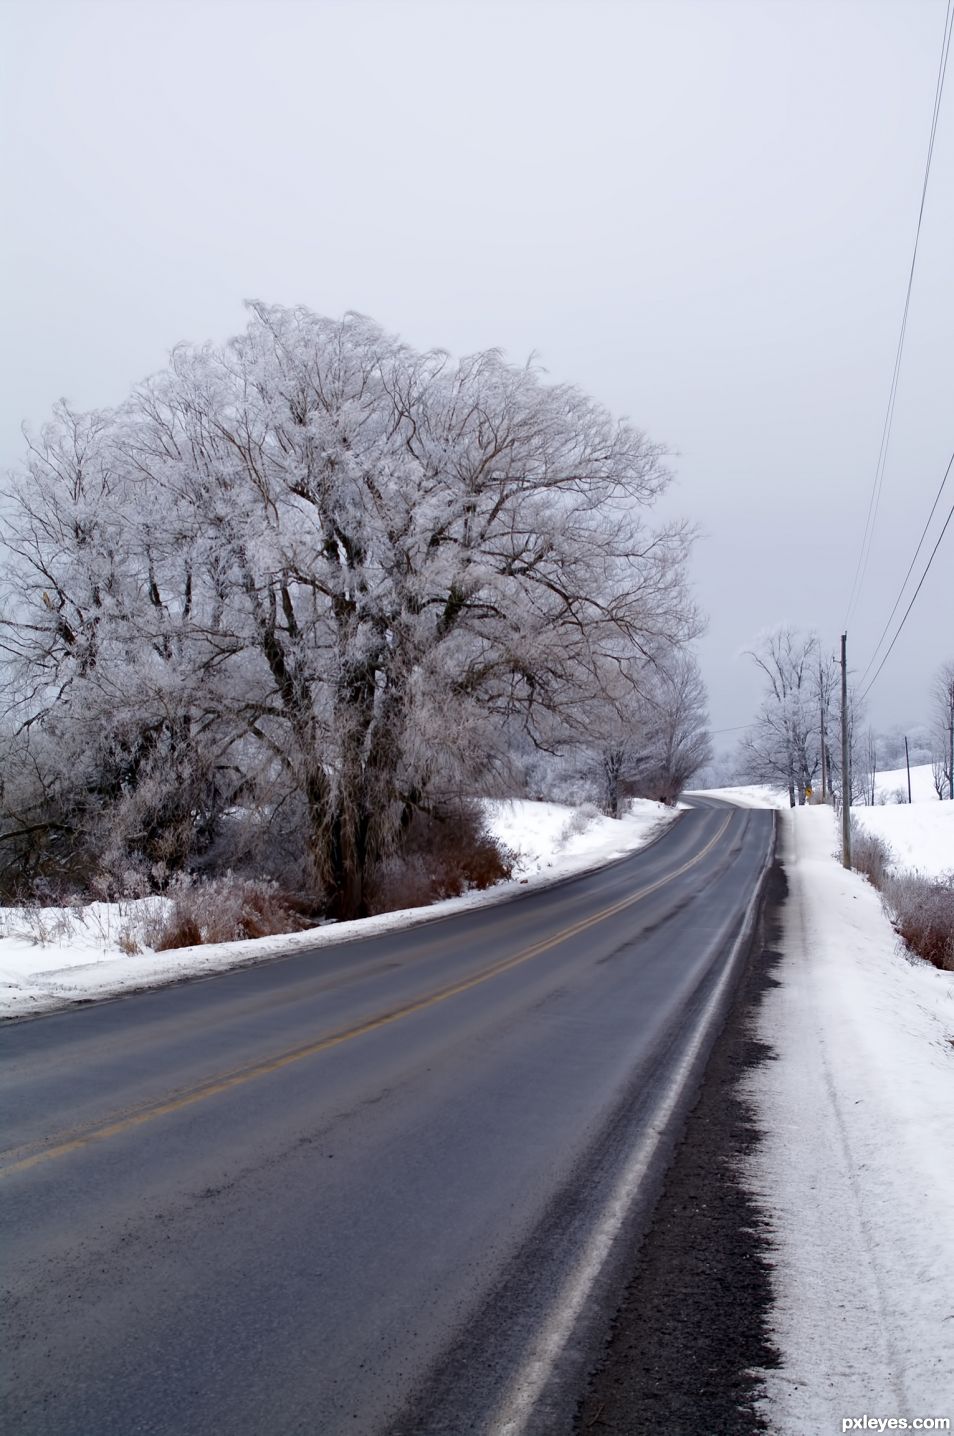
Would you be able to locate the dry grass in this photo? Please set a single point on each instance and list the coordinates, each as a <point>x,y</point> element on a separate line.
<point>923,914</point>
<point>921,909</point>
<point>870,855</point>
<point>582,818</point>
<point>225,909</point>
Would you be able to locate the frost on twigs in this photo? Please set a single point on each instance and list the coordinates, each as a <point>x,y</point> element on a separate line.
<point>921,907</point>
<point>304,587</point>
<point>870,854</point>
<point>923,913</point>
<point>223,909</point>
<point>582,818</point>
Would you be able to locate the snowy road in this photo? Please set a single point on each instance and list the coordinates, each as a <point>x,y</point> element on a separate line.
<point>379,1188</point>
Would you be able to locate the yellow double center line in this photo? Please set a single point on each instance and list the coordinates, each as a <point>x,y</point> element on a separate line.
<point>237,1078</point>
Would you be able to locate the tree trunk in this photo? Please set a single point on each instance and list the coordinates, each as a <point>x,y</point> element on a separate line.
<point>347,863</point>
<point>348,845</point>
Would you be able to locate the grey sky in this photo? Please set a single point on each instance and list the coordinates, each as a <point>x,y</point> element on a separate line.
<point>703,213</point>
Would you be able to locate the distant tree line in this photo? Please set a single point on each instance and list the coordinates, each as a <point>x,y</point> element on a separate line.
<point>305,591</point>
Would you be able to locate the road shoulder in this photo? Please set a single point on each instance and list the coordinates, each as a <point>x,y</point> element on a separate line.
<point>692,1325</point>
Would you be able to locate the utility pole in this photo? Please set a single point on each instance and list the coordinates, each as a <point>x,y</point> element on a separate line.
<point>845,763</point>
<point>907,764</point>
<point>821,705</point>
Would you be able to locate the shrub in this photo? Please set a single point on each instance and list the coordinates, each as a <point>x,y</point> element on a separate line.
<point>444,853</point>
<point>921,909</point>
<point>870,854</point>
<point>923,913</point>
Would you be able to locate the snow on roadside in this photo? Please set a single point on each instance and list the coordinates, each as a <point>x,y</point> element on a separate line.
<point>78,935</point>
<point>556,839</point>
<point>54,956</point>
<point>754,795</point>
<point>856,1168</point>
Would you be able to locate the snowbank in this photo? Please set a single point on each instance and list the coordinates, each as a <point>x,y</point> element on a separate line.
<point>857,1164</point>
<point>53,956</point>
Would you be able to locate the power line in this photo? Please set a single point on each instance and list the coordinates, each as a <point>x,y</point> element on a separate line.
<point>924,575</point>
<point>878,481</point>
<point>914,560</point>
<point>875,497</point>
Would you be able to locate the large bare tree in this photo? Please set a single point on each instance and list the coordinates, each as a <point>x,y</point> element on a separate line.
<point>337,561</point>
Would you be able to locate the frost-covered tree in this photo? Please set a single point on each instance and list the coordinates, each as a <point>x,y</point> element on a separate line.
<point>682,746</point>
<point>943,694</point>
<point>102,681</point>
<point>783,744</point>
<point>620,752</point>
<point>827,700</point>
<point>865,769</point>
<point>799,719</point>
<point>318,561</point>
<point>939,777</point>
<point>659,739</point>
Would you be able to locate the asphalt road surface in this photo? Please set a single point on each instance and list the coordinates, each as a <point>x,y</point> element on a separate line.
<point>375,1188</point>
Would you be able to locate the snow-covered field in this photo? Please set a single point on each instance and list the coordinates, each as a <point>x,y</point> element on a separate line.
<point>921,837</point>
<point>920,834</point>
<point>891,785</point>
<point>856,1168</point>
<point>53,956</point>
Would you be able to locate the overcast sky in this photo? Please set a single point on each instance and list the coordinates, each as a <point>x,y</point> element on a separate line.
<point>703,213</point>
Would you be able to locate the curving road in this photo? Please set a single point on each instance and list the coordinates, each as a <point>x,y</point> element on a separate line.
<point>378,1188</point>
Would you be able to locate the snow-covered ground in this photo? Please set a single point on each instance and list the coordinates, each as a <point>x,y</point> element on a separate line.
<point>856,1169</point>
<point>53,956</point>
<point>891,785</point>
<point>920,834</point>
